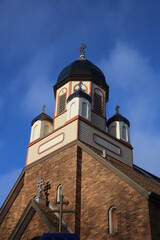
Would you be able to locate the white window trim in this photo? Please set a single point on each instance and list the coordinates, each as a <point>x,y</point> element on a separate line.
<point>111,220</point>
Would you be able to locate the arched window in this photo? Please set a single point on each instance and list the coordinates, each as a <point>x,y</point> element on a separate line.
<point>84,109</point>
<point>73,109</point>
<point>113,131</point>
<point>124,133</point>
<point>62,101</point>
<point>46,130</point>
<point>35,132</point>
<point>112,220</point>
<point>59,192</point>
<point>98,101</point>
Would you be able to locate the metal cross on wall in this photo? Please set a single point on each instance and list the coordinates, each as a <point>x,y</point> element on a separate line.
<point>60,202</point>
<point>39,185</point>
<point>46,188</point>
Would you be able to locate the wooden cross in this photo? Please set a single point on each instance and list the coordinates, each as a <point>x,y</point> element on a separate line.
<point>46,188</point>
<point>61,211</point>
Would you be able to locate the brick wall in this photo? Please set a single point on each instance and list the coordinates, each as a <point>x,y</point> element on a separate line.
<point>59,169</point>
<point>12,216</point>
<point>91,189</point>
<point>35,228</point>
<point>102,189</point>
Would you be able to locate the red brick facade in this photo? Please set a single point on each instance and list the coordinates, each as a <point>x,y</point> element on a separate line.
<point>101,192</point>
<point>91,189</point>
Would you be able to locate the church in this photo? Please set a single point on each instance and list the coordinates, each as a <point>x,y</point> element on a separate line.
<point>79,178</point>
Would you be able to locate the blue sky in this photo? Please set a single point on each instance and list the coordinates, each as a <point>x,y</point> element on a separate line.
<point>39,38</point>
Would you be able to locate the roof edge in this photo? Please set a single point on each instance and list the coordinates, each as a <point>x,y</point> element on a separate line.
<point>100,159</point>
<point>119,118</point>
<point>107,164</point>
<point>21,225</point>
<point>4,209</point>
<point>42,116</point>
<point>148,174</point>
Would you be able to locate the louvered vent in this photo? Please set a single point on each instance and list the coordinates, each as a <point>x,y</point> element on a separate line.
<point>98,107</point>
<point>61,105</point>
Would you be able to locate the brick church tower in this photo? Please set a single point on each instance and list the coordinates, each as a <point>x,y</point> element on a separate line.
<point>79,175</point>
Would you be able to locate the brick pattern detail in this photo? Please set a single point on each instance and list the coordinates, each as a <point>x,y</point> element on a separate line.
<point>59,169</point>
<point>13,216</point>
<point>91,189</point>
<point>149,184</point>
<point>102,189</point>
<point>35,228</point>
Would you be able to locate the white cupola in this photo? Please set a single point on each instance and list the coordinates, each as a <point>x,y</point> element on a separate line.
<point>79,103</point>
<point>41,126</point>
<point>119,126</point>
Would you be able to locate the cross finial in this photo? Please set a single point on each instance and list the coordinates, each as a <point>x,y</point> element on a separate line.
<point>44,108</point>
<point>117,109</point>
<point>80,85</point>
<point>82,50</point>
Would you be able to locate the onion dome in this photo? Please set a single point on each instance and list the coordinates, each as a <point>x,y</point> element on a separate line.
<point>42,116</point>
<point>119,126</point>
<point>118,117</point>
<point>82,69</point>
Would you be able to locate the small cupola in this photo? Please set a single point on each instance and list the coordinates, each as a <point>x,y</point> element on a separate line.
<point>119,126</point>
<point>79,103</point>
<point>41,125</point>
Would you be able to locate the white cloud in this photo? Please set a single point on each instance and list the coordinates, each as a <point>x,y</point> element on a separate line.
<point>135,86</point>
<point>40,92</point>
<point>7,181</point>
<point>32,84</point>
<point>128,68</point>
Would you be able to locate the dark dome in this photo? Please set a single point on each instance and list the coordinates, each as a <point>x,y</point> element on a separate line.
<point>118,117</point>
<point>82,68</point>
<point>79,94</point>
<point>42,116</point>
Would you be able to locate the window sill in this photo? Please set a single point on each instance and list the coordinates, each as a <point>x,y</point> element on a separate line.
<point>113,234</point>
